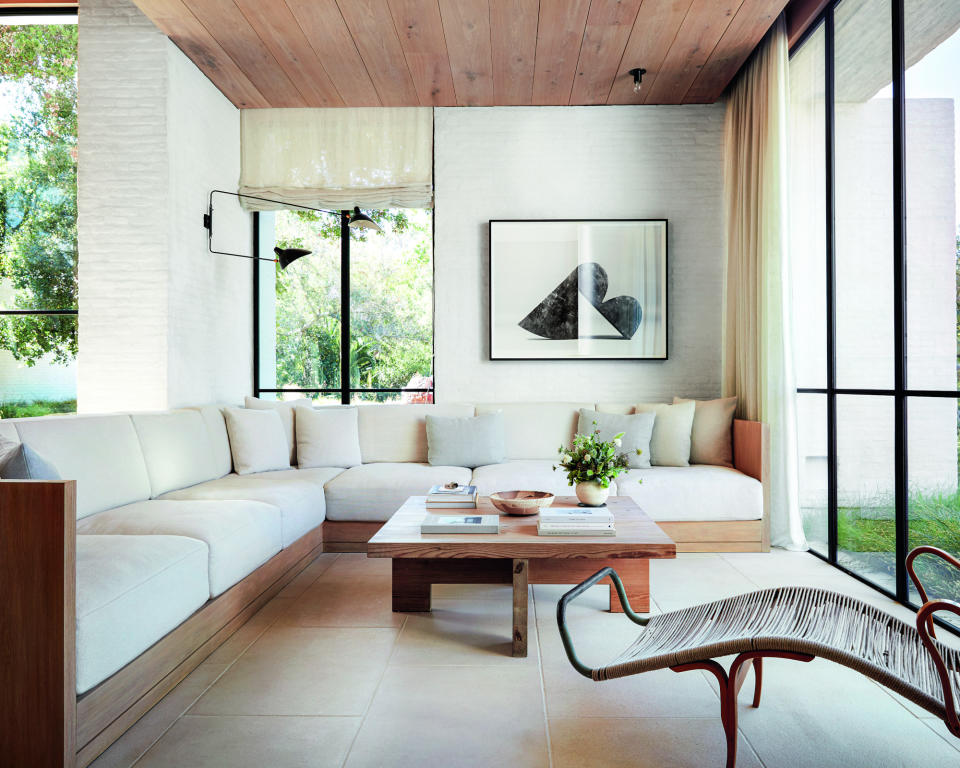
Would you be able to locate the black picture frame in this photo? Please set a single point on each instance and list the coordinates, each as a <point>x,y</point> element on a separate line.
<point>492,352</point>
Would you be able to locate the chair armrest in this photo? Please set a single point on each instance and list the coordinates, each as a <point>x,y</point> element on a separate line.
<point>925,630</point>
<point>927,550</point>
<point>572,595</point>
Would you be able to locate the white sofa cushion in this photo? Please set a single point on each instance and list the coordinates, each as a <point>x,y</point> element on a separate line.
<point>536,430</point>
<point>219,440</point>
<point>375,491</point>
<point>240,535</point>
<point>700,492</point>
<point>396,433</point>
<point>257,441</point>
<point>470,441</point>
<point>301,502</point>
<point>131,591</point>
<point>176,448</point>
<point>286,410</point>
<point>102,453</point>
<point>636,428</point>
<point>327,437</point>
<point>672,430</point>
<point>523,475</point>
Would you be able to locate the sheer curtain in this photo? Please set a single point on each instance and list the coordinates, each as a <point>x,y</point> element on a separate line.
<point>757,337</point>
<point>338,158</point>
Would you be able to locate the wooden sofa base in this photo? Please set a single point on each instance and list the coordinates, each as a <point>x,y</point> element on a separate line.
<point>105,712</point>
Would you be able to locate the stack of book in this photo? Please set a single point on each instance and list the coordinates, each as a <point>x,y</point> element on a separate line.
<point>576,521</point>
<point>441,499</point>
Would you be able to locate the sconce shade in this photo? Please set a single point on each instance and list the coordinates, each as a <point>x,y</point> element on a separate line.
<point>359,220</point>
<point>286,256</point>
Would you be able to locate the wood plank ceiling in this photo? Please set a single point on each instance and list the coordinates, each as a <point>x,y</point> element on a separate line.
<point>358,53</point>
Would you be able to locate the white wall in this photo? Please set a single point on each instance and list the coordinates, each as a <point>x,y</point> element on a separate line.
<point>578,162</point>
<point>162,322</point>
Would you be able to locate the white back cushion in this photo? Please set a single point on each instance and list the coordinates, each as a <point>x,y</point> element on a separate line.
<point>536,430</point>
<point>101,453</point>
<point>257,440</point>
<point>176,448</point>
<point>327,437</point>
<point>399,432</point>
<point>285,409</point>
<point>217,432</point>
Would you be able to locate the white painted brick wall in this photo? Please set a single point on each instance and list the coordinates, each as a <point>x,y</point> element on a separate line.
<point>162,322</point>
<point>578,162</point>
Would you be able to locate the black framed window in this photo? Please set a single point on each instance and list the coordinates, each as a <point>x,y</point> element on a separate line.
<point>38,211</point>
<point>353,321</point>
<point>876,258</point>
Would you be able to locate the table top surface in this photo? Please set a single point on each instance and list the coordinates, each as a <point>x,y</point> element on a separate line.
<point>637,535</point>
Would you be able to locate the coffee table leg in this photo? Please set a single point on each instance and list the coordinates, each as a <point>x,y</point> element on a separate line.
<point>411,591</point>
<point>635,575</point>
<point>521,572</point>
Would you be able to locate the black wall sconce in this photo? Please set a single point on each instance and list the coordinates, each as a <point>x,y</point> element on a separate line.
<point>285,256</point>
<point>638,74</point>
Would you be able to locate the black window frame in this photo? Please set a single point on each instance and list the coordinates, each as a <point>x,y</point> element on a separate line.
<point>344,390</point>
<point>901,390</point>
<point>52,12</point>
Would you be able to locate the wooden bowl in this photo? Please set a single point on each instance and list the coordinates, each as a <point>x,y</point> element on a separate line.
<point>521,502</point>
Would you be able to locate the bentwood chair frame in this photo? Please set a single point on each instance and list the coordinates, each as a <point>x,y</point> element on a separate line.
<point>798,623</point>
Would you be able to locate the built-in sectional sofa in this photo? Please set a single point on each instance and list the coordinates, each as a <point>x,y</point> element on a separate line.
<point>123,577</point>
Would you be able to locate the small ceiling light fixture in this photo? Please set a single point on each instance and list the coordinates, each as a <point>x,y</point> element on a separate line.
<point>638,74</point>
<point>285,256</point>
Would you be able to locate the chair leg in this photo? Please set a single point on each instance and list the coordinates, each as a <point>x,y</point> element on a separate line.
<point>728,703</point>
<point>757,680</point>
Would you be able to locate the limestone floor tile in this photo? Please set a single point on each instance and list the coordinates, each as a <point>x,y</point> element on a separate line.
<point>940,728</point>
<point>247,634</point>
<point>661,693</point>
<point>129,747</point>
<point>308,575</point>
<point>344,603</point>
<point>358,566</point>
<point>644,743</point>
<point>687,581</point>
<point>820,714</point>
<point>253,742</point>
<point>454,717</point>
<point>464,632</point>
<point>302,671</point>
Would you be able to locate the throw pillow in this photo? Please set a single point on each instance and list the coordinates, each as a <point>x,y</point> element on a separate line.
<point>19,461</point>
<point>472,441</point>
<point>257,440</point>
<point>637,429</point>
<point>712,437</point>
<point>670,443</point>
<point>327,437</point>
<point>286,410</point>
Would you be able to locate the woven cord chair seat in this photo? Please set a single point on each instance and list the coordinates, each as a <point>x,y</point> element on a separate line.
<point>799,619</point>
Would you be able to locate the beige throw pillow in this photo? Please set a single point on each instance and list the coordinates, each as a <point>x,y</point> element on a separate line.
<point>257,441</point>
<point>327,437</point>
<point>712,437</point>
<point>670,443</point>
<point>286,409</point>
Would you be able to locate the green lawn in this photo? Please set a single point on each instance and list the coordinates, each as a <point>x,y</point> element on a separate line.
<point>18,410</point>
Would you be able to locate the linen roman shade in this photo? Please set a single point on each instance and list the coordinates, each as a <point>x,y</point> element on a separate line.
<point>338,158</point>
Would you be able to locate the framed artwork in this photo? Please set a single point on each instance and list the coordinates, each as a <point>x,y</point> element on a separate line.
<point>570,289</point>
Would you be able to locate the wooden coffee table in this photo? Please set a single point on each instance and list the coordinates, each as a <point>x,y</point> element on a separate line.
<point>517,555</point>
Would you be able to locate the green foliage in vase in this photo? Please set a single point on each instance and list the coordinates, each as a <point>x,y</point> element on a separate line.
<point>38,188</point>
<point>592,459</point>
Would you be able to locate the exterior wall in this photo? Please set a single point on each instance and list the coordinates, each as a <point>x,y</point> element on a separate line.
<point>578,162</point>
<point>162,322</point>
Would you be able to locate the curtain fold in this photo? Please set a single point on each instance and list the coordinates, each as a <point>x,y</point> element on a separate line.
<point>338,158</point>
<point>757,333</point>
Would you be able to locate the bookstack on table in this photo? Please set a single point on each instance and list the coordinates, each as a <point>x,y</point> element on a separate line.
<point>443,499</point>
<point>449,511</point>
<point>576,521</point>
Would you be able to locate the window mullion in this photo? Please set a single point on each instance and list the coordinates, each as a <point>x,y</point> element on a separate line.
<point>345,307</point>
